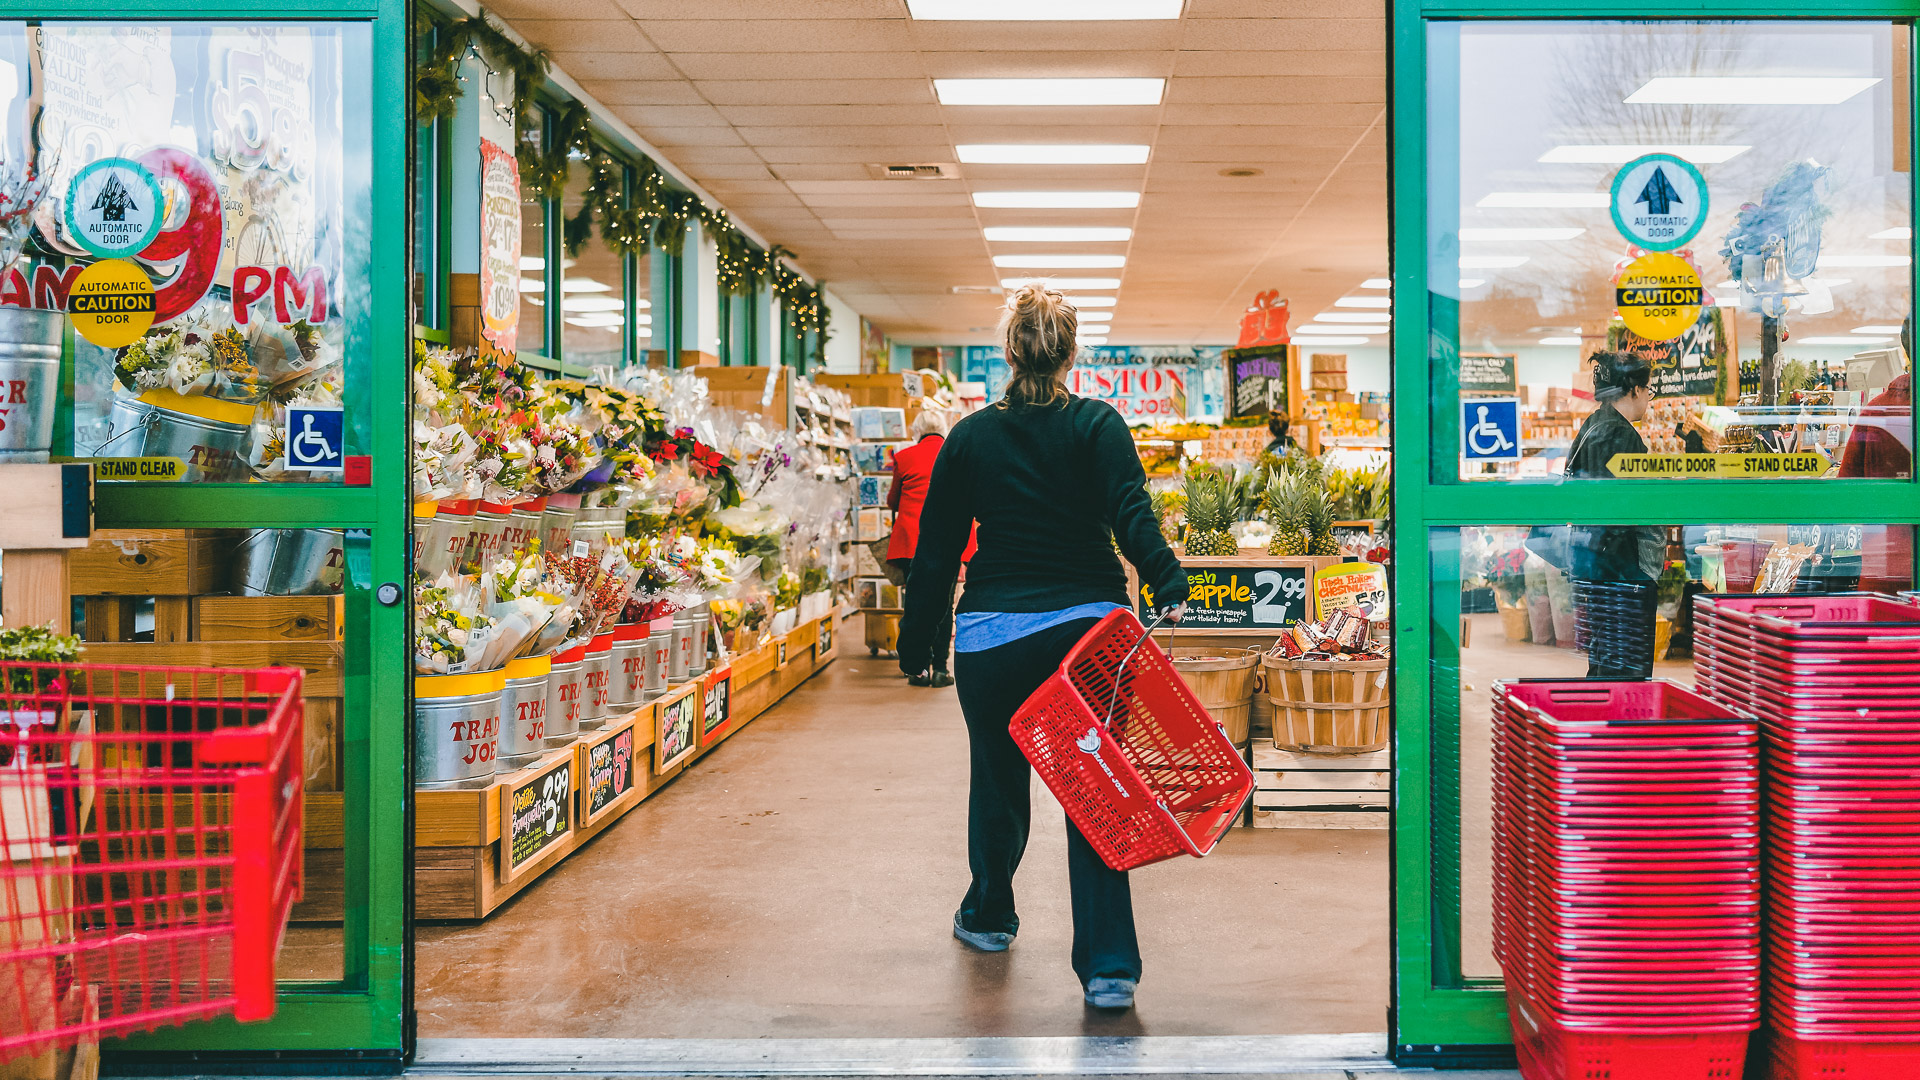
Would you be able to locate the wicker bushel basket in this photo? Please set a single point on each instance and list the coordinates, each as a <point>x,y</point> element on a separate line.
<point>1223,680</point>
<point>1328,706</point>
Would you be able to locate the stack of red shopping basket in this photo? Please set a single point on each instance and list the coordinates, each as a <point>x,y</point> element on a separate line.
<point>1626,879</point>
<point>1837,681</point>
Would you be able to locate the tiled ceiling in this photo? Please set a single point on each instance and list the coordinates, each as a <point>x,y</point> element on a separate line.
<point>782,108</point>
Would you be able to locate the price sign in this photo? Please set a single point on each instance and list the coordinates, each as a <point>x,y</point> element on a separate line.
<point>610,773</point>
<point>1243,597</point>
<point>717,706</point>
<point>535,815</point>
<point>677,732</point>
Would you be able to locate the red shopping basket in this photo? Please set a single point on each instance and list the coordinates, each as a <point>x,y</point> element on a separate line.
<point>150,828</point>
<point>1161,779</point>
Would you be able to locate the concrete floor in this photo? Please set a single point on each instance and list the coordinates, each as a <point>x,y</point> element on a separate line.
<point>801,881</point>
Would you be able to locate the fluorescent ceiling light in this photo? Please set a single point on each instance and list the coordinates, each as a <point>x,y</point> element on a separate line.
<point>1505,235</point>
<point>1876,329</point>
<point>1603,154</point>
<point>1035,92</point>
<point>1057,200</point>
<point>1318,341</point>
<point>1062,283</point>
<point>1560,341</point>
<point>1082,302</point>
<point>1472,282</point>
<point>583,284</point>
<point>1865,260</point>
<point>1072,234</point>
<point>1051,10</point>
<point>1315,328</point>
<point>532,262</point>
<point>1363,301</point>
<point>1353,317</point>
<point>1747,90</point>
<point>532,285</point>
<point>1543,200</point>
<point>1829,282</point>
<point>595,321</point>
<point>1726,301</point>
<point>1052,153</point>
<point>1377,283</point>
<point>1092,339</point>
<point>1061,262</point>
<point>1491,262</point>
<point>592,303</point>
<point>1843,340</point>
<point>1898,232</point>
<point>1094,316</point>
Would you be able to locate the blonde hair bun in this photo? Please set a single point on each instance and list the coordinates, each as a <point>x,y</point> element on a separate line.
<point>1038,326</point>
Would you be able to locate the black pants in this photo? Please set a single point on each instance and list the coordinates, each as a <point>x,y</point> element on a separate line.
<point>942,633</point>
<point>993,684</point>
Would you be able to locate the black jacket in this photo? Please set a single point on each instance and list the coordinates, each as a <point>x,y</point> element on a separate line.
<point>1049,486</point>
<point>1602,434</point>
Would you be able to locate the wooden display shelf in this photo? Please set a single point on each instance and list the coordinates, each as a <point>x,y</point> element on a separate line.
<point>1320,791</point>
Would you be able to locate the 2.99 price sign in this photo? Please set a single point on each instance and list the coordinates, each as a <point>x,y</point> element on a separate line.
<point>1251,598</point>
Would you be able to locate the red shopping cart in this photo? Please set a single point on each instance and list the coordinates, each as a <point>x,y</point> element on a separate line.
<point>1141,768</point>
<point>150,827</point>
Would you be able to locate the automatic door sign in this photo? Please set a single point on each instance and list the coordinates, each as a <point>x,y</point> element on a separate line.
<point>316,438</point>
<point>1490,429</point>
<point>114,207</point>
<point>111,303</point>
<point>1659,201</point>
<point>1658,297</point>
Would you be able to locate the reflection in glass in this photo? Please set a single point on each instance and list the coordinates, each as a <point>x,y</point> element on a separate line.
<point>593,313</point>
<point>1730,202</point>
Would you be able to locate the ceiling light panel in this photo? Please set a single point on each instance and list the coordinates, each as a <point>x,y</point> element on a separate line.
<point>1876,329</point>
<point>1060,262</point>
<point>1377,283</point>
<point>1353,317</point>
<point>1898,232</point>
<point>1543,200</point>
<point>1315,328</point>
<point>1344,340</point>
<point>1083,302</point>
<point>1094,339</point>
<point>1513,235</point>
<point>1024,234</point>
<point>1747,90</point>
<point>1058,284</point>
<point>1865,260</point>
<point>1560,340</point>
<point>1608,154</point>
<point>1043,10</point>
<point>1026,93</point>
<point>1363,302</point>
<point>1052,153</point>
<point>1491,262</point>
<point>1472,282</point>
<point>1057,200</point>
<point>1850,341</point>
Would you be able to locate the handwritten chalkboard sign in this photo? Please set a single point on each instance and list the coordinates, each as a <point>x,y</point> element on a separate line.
<point>1258,381</point>
<point>1260,598</point>
<point>718,706</point>
<point>677,733</point>
<point>609,773</point>
<point>535,815</point>
<point>1488,373</point>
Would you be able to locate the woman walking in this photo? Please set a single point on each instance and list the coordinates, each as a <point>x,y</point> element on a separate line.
<point>1054,482</point>
<point>912,470</point>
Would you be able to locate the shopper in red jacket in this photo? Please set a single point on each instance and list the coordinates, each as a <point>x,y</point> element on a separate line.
<point>912,468</point>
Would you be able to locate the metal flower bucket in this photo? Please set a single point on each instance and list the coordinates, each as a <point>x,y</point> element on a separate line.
<point>289,562</point>
<point>214,449</point>
<point>29,382</point>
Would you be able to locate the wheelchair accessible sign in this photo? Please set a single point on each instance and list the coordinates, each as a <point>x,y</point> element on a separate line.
<point>316,438</point>
<point>1490,429</point>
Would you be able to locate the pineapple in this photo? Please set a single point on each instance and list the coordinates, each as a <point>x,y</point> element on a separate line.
<point>1284,511</point>
<point>1209,511</point>
<point>1320,525</point>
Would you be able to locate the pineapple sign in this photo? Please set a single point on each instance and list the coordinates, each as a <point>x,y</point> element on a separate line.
<point>1269,598</point>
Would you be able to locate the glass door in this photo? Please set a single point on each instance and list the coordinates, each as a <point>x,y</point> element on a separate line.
<point>1651,279</point>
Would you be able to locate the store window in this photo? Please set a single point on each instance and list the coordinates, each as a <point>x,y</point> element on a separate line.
<point>533,253</point>
<point>1721,211</point>
<point>1607,601</point>
<point>204,189</point>
<point>593,308</point>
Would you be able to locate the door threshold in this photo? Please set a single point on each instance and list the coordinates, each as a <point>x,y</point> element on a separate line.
<point>1223,1055</point>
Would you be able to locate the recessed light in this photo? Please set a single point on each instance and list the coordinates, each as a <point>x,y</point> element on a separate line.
<point>592,303</point>
<point>1898,232</point>
<point>1052,153</point>
<point>1472,282</point>
<point>1543,200</point>
<point>1876,329</point>
<point>1043,10</point>
<point>1079,302</point>
<point>1242,171</point>
<point>1317,341</point>
<point>1377,283</point>
<point>1315,328</point>
<point>1363,301</point>
<point>1060,262</point>
<point>1353,316</point>
<point>1604,154</point>
<point>1747,90</point>
<point>1507,235</point>
<point>1062,283</point>
<point>1091,339</point>
<point>1491,262</point>
<point>1842,340</point>
<point>1559,340</point>
<point>1057,200</point>
<point>1865,260</point>
<point>1023,234</point>
<point>1027,93</point>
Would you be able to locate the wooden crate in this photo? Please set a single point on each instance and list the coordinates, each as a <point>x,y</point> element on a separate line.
<point>268,618</point>
<point>1317,791</point>
<point>152,562</point>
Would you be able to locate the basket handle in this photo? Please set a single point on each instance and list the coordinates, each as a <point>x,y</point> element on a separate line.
<point>1145,636</point>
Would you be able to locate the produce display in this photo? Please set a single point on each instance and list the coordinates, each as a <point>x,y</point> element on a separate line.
<point>1343,635</point>
<point>1280,506</point>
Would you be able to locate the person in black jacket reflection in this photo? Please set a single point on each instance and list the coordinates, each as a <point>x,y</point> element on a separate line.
<point>1614,567</point>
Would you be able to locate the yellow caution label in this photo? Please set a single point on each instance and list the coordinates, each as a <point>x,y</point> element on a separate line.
<point>1720,466</point>
<point>111,303</point>
<point>148,469</point>
<point>1659,297</point>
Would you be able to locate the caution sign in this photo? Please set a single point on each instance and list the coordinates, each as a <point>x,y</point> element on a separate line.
<point>1658,297</point>
<point>1659,201</point>
<point>1720,466</point>
<point>111,303</point>
<point>145,469</point>
<point>114,207</point>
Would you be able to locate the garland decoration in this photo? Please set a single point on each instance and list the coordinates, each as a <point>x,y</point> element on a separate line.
<point>442,45</point>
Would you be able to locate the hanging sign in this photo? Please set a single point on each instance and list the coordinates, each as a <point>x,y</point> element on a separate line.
<point>1658,296</point>
<point>1659,201</point>
<point>111,303</point>
<point>499,246</point>
<point>114,207</point>
<point>535,815</point>
<point>1242,597</point>
<point>1488,373</point>
<point>1720,466</point>
<point>1257,381</point>
<point>1265,321</point>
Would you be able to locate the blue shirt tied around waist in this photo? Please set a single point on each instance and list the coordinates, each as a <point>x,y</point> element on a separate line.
<point>978,631</point>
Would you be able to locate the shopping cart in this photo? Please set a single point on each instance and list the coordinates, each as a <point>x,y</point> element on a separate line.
<point>150,828</point>
<point>1141,768</point>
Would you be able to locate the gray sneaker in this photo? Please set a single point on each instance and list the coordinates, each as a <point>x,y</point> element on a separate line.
<point>1103,993</point>
<point>983,940</point>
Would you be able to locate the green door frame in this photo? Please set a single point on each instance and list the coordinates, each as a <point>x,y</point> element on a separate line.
<point>366,1016</point>
<point>1438,1016</point>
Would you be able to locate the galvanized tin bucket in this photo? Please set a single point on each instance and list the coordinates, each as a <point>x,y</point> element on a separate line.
<point>600,526</point>
<point>290,562</point>
<point>597,676</point>
<point>523,527</point>
<point>556,528</point>
<point>456,729</point>
<point>680,658</point>
<point>214,450</point>
<point>447,538</point>
<point>630,651</point>
<point>483,542</point>
<point>523,711</point>
<point>659,657</point>
<point>697,651</point>
<point>29,381</point>
<point>424,512</point>
<point>566,685</point>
